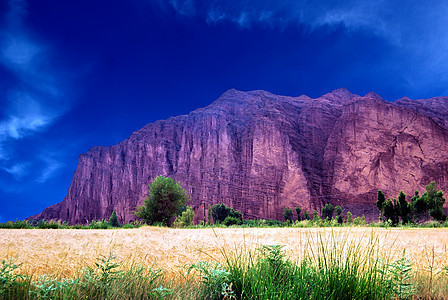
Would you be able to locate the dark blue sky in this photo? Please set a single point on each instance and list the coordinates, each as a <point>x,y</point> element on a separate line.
<point>77,74</point>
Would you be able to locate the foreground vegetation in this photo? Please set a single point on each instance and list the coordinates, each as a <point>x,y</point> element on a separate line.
<point>327,267</point>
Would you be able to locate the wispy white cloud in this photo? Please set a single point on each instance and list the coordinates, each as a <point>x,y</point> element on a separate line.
<point>183,7</point>
<point>26,115</point>
<point>417,29</point>
<point>36,98</point>
<point>18,171</point>
<point>52,165</point>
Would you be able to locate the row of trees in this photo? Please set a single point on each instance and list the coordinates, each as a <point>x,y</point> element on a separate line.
<point>420,208</point>
<point>327,212</point>
<point>167,201</point>
<point>167,205</point>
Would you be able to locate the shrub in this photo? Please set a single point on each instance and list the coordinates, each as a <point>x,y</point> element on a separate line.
<point>9,276</point>
<point>327,211</point>
<point>220,212</point>
<point>15,225</point>
<point>398,278</point>
<point>215,280</point>
<point>306,215</point>
<point>349,218</point>
<point>316,217</point>
<point>302,224</point>
<point>287,214</point>
<point>186,219</point>
<point>229,221</point>
<point>360,221</point>
<point>262,223</point>
<point>99,225</point>
<point>52,224</point>
<point>7,225</point>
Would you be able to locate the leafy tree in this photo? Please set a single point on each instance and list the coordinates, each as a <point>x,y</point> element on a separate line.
<point>404,208</point>
<point>113,220</point>
<point>349,218</point>
<point>315,216</point>
<point>186,219</point>
<point>306,215</point>
<point>391,211</point>
<point>220,212</point>
<point>287,214</point>
<point>381,199</point>
<point>338,210</point>
<point>166,198</point>
<point>435,201</point>
<point>298,211</point>
<point>430,203</point>
<point>340,219</point>
<point>327,211</point>
<point>419,206</point>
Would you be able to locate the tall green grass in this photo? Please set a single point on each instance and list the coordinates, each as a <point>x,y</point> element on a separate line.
<point>332,271</point>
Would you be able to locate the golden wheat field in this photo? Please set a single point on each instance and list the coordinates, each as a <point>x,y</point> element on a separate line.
<point>64,252</point>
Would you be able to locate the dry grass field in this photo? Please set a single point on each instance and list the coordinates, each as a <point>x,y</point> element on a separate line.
<point>64,252</point>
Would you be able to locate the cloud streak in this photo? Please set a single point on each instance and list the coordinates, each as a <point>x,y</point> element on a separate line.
<point>18,170</point>
<point>36,98</point>
<point>417,29</point>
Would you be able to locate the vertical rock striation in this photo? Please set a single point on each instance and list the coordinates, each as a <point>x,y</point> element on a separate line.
<point>259,152</point>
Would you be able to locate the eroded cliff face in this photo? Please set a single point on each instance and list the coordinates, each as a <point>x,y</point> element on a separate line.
<point>377,144</point>
<point>258,153</point>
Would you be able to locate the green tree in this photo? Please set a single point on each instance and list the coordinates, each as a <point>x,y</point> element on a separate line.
<point>186,219</point>
<point>338,210</point>
<point>166,198</point>
<point>287,214</point>
<point>349,218</point>
<point>306,215</point>
<point>381,199</point>
<point>327,211</point>
<point>298,211</point>
<point>340,219</point>
<point>113,220</point>
<point>429,204</point>
<point>435,201</point>
<point>404,208</point>
<point>315,216</point>
<point>391,211</point>
<point>419,206</point>
<point>220,212</point>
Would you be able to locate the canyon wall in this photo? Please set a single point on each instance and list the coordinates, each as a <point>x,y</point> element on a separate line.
<point>259,152</point>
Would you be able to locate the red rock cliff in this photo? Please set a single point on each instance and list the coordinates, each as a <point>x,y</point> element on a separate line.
<point>259,152</point>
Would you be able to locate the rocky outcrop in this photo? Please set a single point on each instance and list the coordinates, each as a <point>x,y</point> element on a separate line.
<point>259,152</point>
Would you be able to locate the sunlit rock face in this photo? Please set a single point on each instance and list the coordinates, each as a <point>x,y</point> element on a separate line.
<point>259,153</point>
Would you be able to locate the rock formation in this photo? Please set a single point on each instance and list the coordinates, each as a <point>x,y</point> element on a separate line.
<point>259,152</point>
